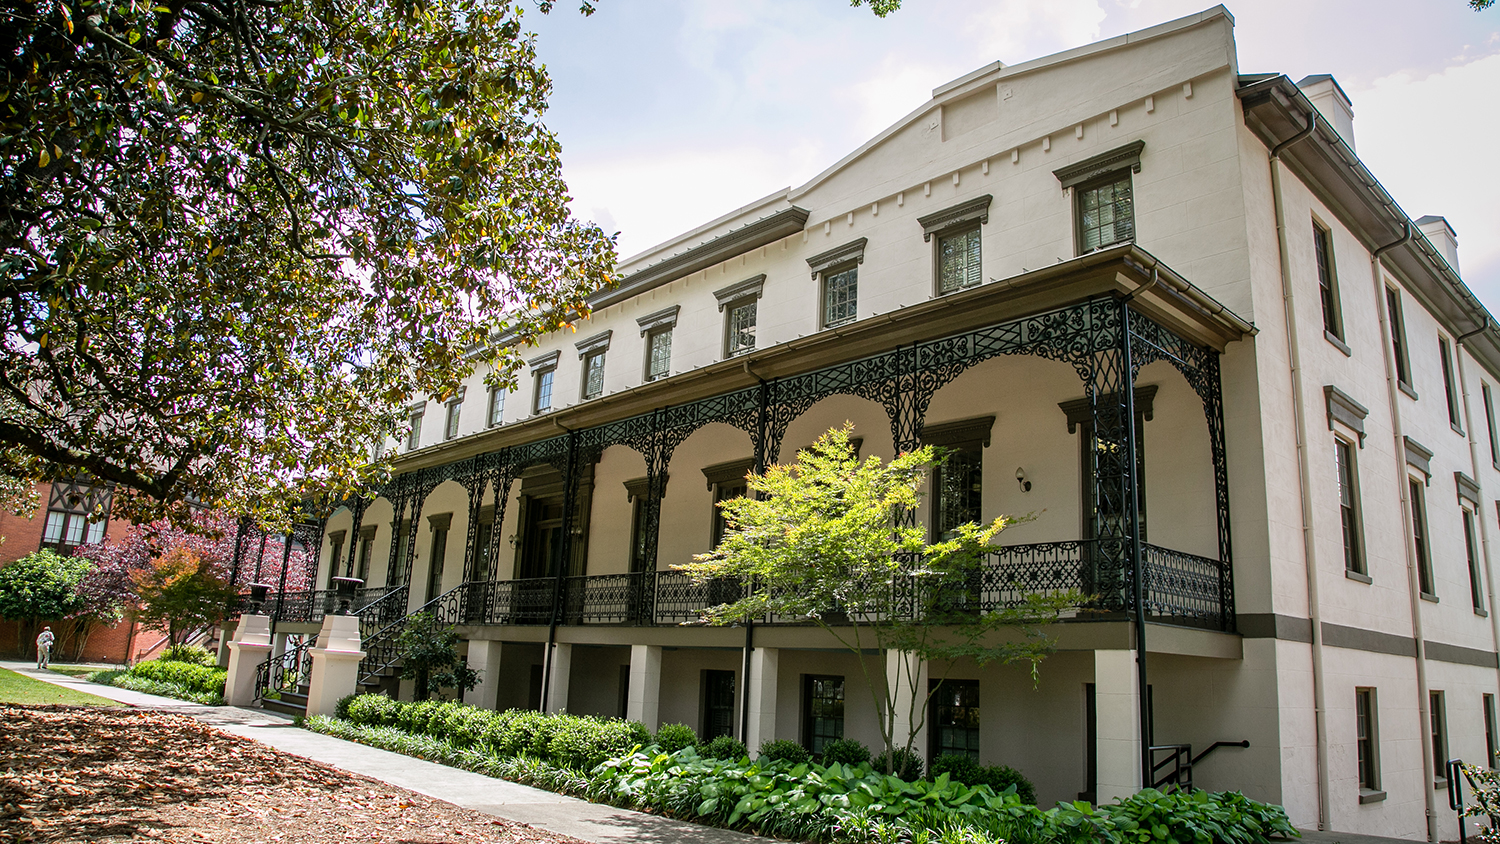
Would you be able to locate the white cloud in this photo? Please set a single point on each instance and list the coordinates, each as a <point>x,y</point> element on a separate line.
<point>1428,140</point>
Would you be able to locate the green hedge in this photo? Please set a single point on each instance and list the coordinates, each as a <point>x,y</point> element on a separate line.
<point>575,741</point>
<point>604,760</point>
<point>182,680</point>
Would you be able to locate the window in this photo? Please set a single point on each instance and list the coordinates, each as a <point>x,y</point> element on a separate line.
<point>1398,336</point>
<point>718,704</point>
<point>958,260</point>
<point>543,395</point>
<point>1449,388</point>
<point>77,514</point>
<point>840,296</point>
<point>954,718</point>
<point>396,574</point>
<point>1476,586</point>
<point>740,326</point>
<point>727,482</point>
<point>335,558</point>
<point>1106,212</point>
<point>958,485</point>
<point>593,375</point>
<point>1104,517</point>
<point>1489,418</point>
<point>1348,480</point>
<point>455,410</point>
<point>438,555</point>
<point>414,436</point>
<point>1419,536</point>
<point>1328,292</point>
<point>497,406</point>
<point>366,551</point>
<point>1489,731</point>
<point>658,354</point>
<point>1367,740</point>
<point>822,711</point>
<point>1438,716</point>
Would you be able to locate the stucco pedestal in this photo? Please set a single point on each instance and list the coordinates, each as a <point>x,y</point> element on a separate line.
<point>250,647</point>
<point>335,664</point>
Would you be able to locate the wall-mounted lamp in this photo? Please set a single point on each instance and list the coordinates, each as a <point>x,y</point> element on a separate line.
<point>513,540</point>
<point>1021,479</point>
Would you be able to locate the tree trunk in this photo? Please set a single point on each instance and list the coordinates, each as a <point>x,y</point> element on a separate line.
<point>421,692</point>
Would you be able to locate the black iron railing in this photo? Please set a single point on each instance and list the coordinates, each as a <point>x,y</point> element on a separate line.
<point>1185,589</point>
<point>287,672</point>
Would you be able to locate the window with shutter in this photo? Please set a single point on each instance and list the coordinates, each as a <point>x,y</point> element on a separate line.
<point>1106,212</point>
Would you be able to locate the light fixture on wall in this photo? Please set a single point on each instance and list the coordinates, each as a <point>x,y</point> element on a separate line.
<point>1021,479</point>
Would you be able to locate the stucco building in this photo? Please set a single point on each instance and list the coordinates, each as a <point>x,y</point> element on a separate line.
<point>1131,247</point>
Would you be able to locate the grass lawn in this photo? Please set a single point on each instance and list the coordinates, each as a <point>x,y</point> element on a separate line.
<point>17,688</point>
<point>75,670</point>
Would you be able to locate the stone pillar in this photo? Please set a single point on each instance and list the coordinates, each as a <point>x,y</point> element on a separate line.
<point>560,669</point>
<point>250,647</point>
<point>907,674</point>
<point>644,701</point>
<point>1118,743</point>
<point>484,657</point>
<point>335,664</point>
<point>764,665</point>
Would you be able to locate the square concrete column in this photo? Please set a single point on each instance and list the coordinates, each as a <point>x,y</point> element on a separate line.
<point>644,701</point>
<point>484,657</point>
<point>250,647</point>
<point>278,644</point>
<point>559,669</point>
<point>335,664</point>
<point>1117,700</point>
<point>907,674</point>
<point>764,666</point>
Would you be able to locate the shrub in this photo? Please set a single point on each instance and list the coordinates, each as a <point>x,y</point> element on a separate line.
<point>674,737</point>
<point>724,747</point>
<point>959,767</point>
<point>341,709</point>
<point>202,679</point>
<point>846,752</point>
<point>373,710</point>
<point>908,765</point>
<point>193,654</point>
<point>1001,777</point>
<point>782,750</point>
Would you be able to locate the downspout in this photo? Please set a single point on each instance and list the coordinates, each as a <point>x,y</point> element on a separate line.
<point>1413,589</point>
<point>1304,473</point>
<point>570,500</point>
<point>760,469</point>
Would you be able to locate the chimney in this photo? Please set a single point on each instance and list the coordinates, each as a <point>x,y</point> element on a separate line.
<point>1441,234</point>
<point>1333,104</point>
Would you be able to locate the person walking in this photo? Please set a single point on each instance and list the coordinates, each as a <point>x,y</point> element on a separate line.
<point>44,647</point>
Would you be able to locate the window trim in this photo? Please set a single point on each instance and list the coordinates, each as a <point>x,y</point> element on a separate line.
<point>1489,418</point>
<point>589,349</point>
<point>1450,384</point>
<point>1417,501</point>
<point>1352,536</point>
<point>1367,768</point>
<point>934,727</point>
<point>1127,157</point>
<point>452,412</point>
<point>937,259</point>
<point>1113,177</point>
<point>1397,322</point>
<point>807,711</point>
<point>1469,515</point>
<point>653,325</point>
<point>1332,305</point>
<point>1437,733</point>
<point>417,416</point>
<point>1487,703</point>
<point>495,412</point>
<point>542,366</point>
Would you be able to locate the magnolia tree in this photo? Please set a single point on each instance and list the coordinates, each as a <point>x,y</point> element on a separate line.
<point>834,541</point>
<point>43,586</point>
<point>129,572</point>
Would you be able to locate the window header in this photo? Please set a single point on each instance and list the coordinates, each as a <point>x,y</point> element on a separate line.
<point>440,521</point>
<point>961,432</point>
<point>955,216</point>
<point>1079,412</point>
<point>851,251</point>
<point>1468,490</point>
<point>664,318</point>
<point>636,488</point>
<point>1120,158</point>
<point>722,473</point>
<point>547,361</point>
<point>1342,408</point>
<point>750,288</point>
<point>597,343</point>
<point>1418,457</point>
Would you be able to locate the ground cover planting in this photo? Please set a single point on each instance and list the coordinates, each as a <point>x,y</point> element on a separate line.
<point>188,676</point>
<point>101,776</point>
<point>620,763</point>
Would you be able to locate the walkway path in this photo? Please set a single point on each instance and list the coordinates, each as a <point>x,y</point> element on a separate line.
<point>566,815</point>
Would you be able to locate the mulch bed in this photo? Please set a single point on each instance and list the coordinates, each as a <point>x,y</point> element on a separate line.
<point>74,774</point>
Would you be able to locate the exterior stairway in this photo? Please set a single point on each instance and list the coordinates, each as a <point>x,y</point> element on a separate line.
<point>281,683</point>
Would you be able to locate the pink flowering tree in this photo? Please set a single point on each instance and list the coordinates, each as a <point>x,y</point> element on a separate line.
<point>112,587</point>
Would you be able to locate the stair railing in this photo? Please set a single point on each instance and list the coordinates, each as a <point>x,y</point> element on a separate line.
<point>287,672</point>
<point>380,648</point>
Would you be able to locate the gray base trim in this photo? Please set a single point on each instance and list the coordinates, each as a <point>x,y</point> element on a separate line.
<point>1290,628</point>
<point>1461,655</point>
<point>1372,641</point>
<point>1273,626</point>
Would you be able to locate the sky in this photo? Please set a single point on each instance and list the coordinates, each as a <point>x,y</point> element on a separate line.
<point>674,112</point>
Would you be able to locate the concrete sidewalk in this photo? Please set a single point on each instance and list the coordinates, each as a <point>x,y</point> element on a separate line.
<point>565,815</point>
